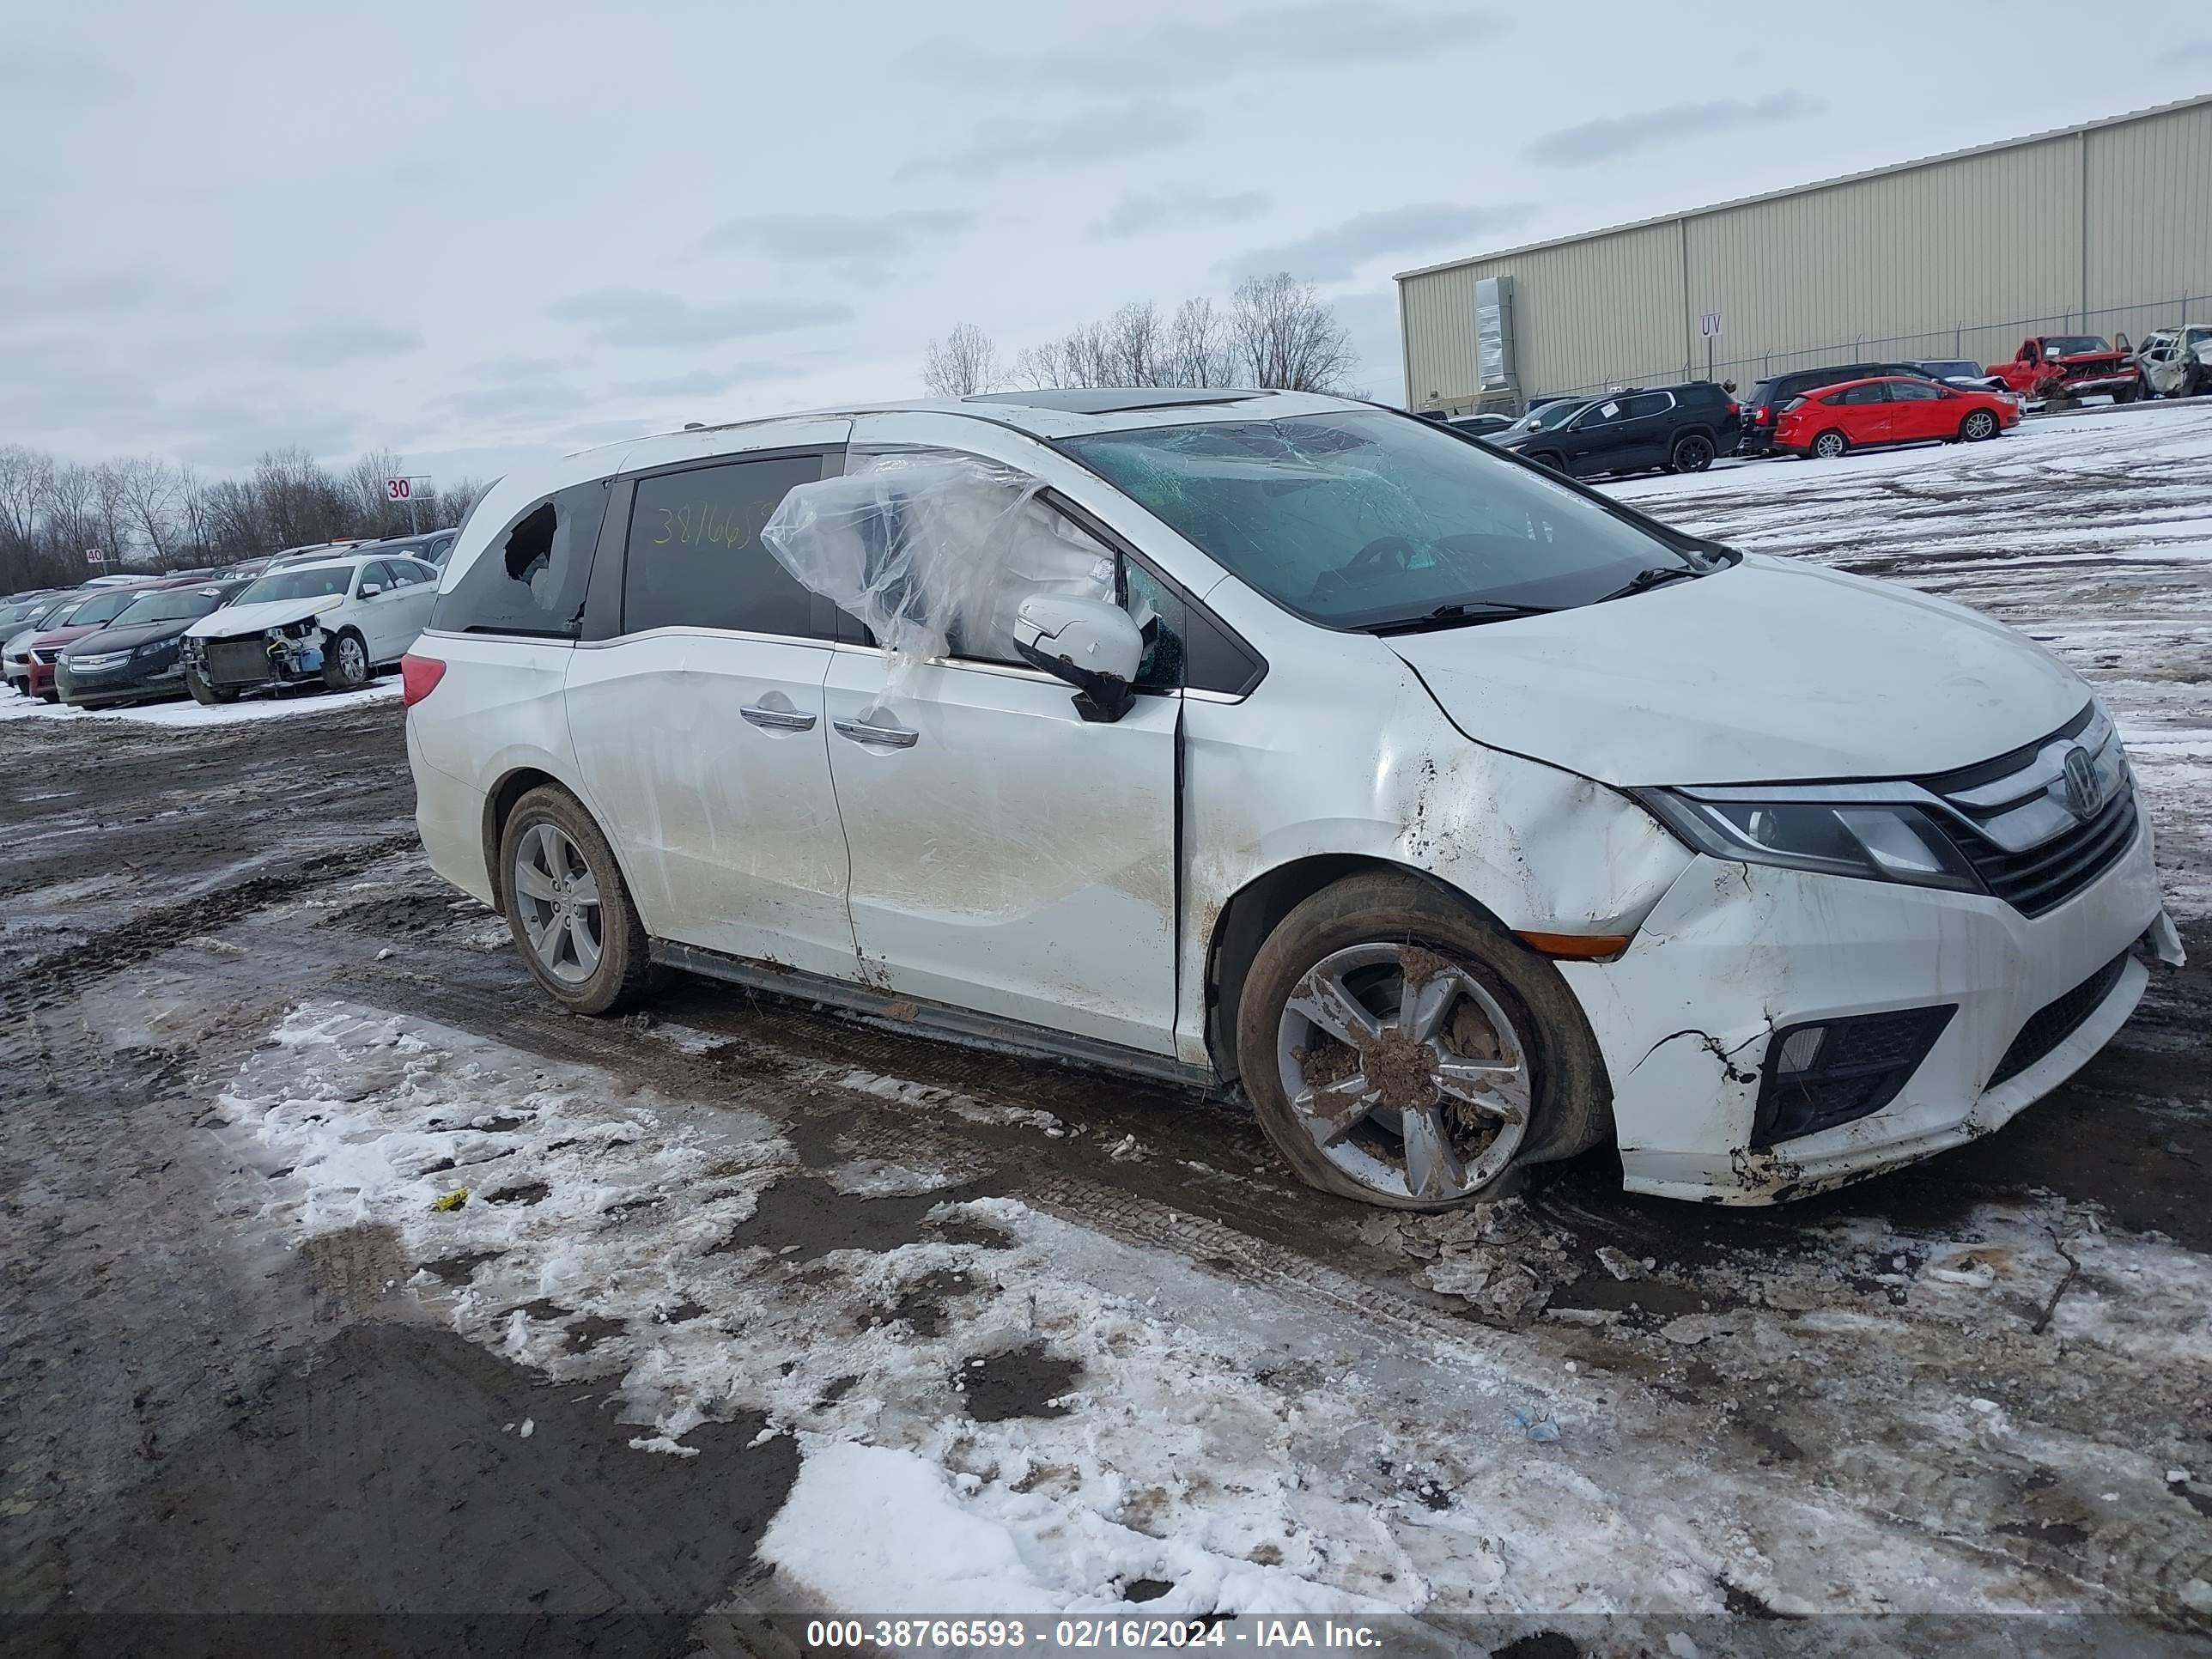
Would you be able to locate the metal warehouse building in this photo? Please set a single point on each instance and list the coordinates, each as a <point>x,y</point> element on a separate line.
<point>2100,229</point>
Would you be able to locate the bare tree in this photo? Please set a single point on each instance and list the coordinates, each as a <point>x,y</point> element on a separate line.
<point>148,494</point>
<point>71,511</point>
<point>25,475</point>
<point>1197,351</point>
<point>963,362</point>
<point>1285,336</point>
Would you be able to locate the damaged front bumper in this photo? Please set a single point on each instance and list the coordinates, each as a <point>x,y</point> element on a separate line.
<point>1693,1018</point>
<point>126,679</point>
<point>268,660</point>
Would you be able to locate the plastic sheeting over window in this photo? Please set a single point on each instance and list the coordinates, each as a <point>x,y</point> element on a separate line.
<point>933,552</point>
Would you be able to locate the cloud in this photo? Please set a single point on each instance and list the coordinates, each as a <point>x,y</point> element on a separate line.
<point>1328,255</point>
<point>806,238</point>
<point>1134,215</point>
<point>1591,142</point>
<point>648,317</point>
<point>503,400</point>
<point>705,382</point>
<point>1322,36</point>
<point>112,291</point>
<point>34,74</point>
<point>327,343</point>
<point>2194,51</point>
<point>1104,132</point>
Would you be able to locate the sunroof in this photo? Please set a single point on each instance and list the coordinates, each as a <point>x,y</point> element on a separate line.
<point>1112,400</point>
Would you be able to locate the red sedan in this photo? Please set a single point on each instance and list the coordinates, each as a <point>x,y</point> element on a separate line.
<point>87,615</point>
<point>1892,409</point>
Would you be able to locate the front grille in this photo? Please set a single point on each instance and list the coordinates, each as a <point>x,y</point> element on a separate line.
<point>2043,877</point>
<point>2013,818</point>
<point>237,661</point>
<point>2052,1024</point>
<point>47,657</point>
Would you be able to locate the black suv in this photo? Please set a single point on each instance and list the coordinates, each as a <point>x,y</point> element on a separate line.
<point>1770,396</point>
<point>1676,428</point>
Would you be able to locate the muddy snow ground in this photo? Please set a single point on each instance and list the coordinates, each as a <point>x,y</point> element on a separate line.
<point>344,1278</point>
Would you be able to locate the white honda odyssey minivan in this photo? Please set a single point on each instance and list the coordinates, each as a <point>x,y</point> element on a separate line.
<point>1461,815</point>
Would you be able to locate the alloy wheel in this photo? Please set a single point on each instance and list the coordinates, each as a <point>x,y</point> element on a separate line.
<point>557,898</point>
<point>1980,424</point>
<point>353,660</point>
<point>1828,445</point>
<point>1406,1070</point>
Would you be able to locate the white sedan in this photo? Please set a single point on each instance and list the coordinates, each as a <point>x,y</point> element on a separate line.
<point>336,622</point>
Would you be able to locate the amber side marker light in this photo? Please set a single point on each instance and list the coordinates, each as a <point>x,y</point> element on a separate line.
<point>1576,947</point>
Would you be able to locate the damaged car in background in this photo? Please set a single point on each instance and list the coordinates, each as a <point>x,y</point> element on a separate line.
<point>138,657</point>
<point>1457,815</point>
<point>331,623</point>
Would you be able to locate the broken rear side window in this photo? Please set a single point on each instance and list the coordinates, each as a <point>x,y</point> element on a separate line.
<point>530,582</point>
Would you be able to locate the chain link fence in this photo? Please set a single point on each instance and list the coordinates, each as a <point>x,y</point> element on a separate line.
<point>1983,342</point>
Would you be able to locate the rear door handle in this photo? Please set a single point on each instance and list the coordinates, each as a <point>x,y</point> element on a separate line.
<point>777,720</point>
<point>876,737</point>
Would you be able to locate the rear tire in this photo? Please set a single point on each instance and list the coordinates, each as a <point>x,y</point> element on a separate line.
<point>578,930</point>
<point>345,661</point>
<point>1495,1002</point>
<point>1978,425</point>
<point>1693,452</point>
<point>1829,445</point>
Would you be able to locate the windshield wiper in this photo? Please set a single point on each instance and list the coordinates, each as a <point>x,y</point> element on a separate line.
<point>1657,576</point>
<point>1458,615</point>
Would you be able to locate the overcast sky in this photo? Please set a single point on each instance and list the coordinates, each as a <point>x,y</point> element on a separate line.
<point>467,232</point>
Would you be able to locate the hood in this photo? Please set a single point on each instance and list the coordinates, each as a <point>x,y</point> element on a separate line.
<point>138,634</point>
<point>58,636</point>
<point>1766,672</point>
<point>257,618</point>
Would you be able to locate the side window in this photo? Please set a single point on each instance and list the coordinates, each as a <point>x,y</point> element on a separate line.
<point>376,574</point>
<point>1869,393</point>
<point>695,558</point>
<point>1912,392</point>
<point>1643,407</point>
<point>1044,551</point>
<point>530,582</point>
<point>405,573</point>
<point>1160,616</point>
<point>1597,415</point>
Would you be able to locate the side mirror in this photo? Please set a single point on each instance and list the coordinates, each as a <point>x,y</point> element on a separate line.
<point>370,590</point>
<point>1092,644</point>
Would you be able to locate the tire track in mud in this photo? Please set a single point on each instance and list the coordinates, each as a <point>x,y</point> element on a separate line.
<point>49,981</point>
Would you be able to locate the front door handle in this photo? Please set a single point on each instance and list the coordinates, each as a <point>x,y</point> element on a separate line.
<point>876,737</point>
<point>777,720</point>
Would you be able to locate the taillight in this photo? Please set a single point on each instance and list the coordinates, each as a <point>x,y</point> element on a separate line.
<point>418,678</point>
<point>1764,415</point>
<point>1734,407</point>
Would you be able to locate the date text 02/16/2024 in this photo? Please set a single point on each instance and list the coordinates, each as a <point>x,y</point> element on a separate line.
<point>1082,1634</point>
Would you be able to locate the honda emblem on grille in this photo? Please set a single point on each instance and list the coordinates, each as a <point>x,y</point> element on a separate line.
<point>2078,784</point>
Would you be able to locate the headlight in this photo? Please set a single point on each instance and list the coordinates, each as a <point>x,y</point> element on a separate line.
<point>1875,841</point>
<point>155,649</point>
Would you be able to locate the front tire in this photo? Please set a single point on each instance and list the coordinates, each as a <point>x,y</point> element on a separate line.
<point>1978,425</point>
<point>568,906</point>
<point>1693,452</point>
<point>202,692</point>
<point>345,662</point>
<point>1829,445</point>
<point>1401,1050</point>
